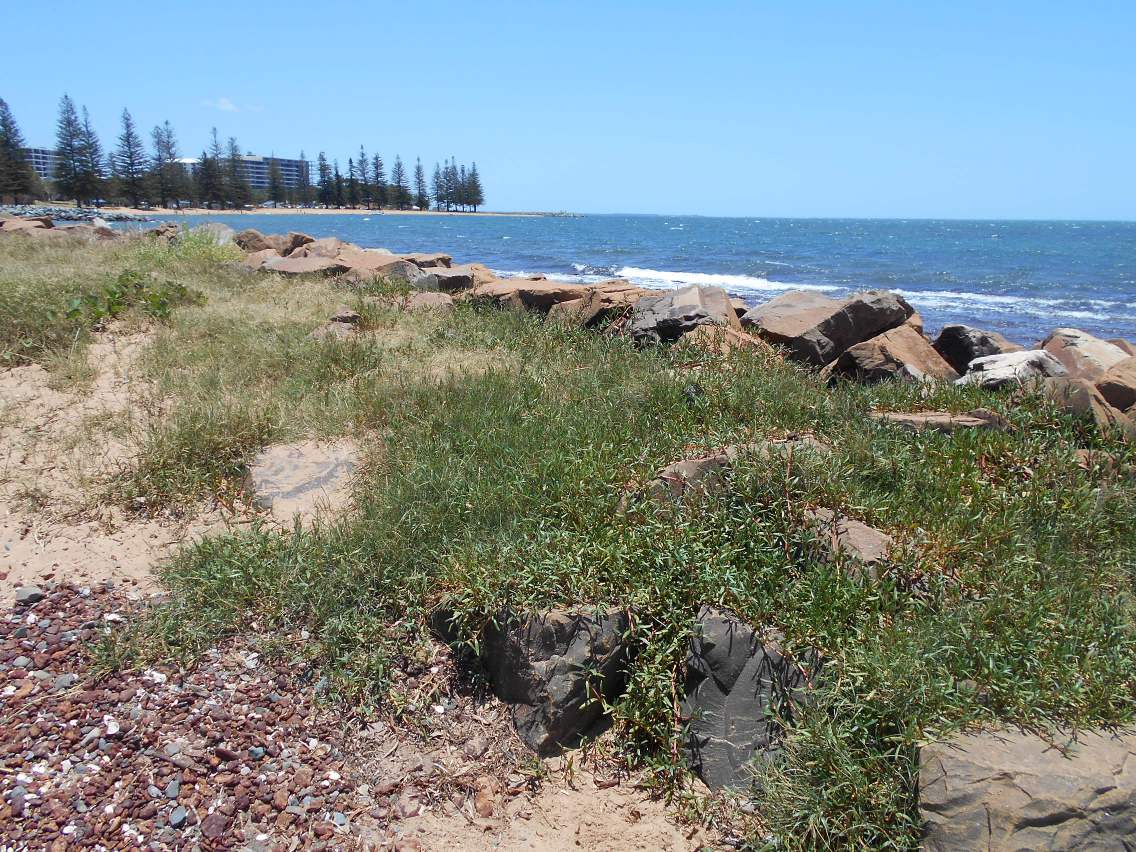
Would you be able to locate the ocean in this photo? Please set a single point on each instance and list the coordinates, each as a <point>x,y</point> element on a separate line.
<point>1019,278</point>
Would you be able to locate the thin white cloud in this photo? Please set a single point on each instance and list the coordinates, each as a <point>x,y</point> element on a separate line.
<point>223,104</point>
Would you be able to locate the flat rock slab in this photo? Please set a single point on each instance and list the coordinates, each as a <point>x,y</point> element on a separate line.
<point>941,421</point>
<point>1006,790</point>
<point>308,479</point>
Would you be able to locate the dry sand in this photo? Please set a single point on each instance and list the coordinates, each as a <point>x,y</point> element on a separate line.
<point>58,450</point>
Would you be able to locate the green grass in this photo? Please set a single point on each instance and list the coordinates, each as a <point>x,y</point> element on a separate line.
<point>497,450</point>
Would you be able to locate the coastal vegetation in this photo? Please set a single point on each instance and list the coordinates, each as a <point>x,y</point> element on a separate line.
<point>217,178</point>
<point>498,448</point>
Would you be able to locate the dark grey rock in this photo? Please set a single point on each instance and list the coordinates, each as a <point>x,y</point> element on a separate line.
<point>178,817</point>
<point>741,690</point>
<point>961,344</point>
<point>1008,790</point>
<point>173,789</point>
<point>670,315</point>
<point>65,681</point>
<point>28,595</point>
<point>549,666</point>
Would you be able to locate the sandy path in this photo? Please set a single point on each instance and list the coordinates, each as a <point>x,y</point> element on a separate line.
<point>58,449</point>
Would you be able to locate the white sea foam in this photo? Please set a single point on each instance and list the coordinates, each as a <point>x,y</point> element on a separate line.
<point>665,279</point>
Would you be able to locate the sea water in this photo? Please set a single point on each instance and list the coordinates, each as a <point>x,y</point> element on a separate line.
<point>1020,278</point>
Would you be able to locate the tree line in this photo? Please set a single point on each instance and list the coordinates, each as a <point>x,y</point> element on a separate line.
<point>136,175</point>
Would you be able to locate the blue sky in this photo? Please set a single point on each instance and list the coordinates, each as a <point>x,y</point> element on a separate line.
<point>908,109</point>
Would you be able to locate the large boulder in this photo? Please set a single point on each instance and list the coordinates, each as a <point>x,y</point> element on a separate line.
<point>816,329</point>
<point>257,259</point>
<point>292,241</point>
<point>668,316</point>
<point>215,231</point>
<point>323,247</point>
<point>372,264</point>
<point>551,667</point>
<point>452,279</point>
<point>741,688</point>
<point>961,344</point>
<point>598,304</point>
<point>1121,343</point>
<point>900,353</point>
<point>1081,398</point>
<point>1084,356</point>
<point>528,293</point>
<point>1118,384</point>
<point>26,223</point>
<point>252,240</point>
<point>1013,368</point>
<point>1007,790</point>
<point>723,341</point>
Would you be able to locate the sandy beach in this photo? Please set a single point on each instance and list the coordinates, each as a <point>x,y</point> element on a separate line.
<point>314,211</point>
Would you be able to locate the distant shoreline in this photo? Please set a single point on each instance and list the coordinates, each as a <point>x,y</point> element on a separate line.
<point>293,211</point>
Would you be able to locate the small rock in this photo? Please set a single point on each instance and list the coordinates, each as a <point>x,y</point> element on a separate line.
<point>28,595</point>
<point>65,681</point>
<point>178,817</point>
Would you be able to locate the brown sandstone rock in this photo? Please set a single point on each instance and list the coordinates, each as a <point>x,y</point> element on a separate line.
<point>453,278</point>
<point>863,546</point>
<point>429,260</point>
<point>257,259</point>
<point>723,341</point>
<point>1084,356</point>
<point>1118,384</point>
<point>816,329</point>
<point>323,247</point>
<point>26,223</point>
<point>598,303</point>
<point>899,353</point>
<point>1082,399</point>
<point>1121,343</point>
<point>537,295</point>
<point>252,240</point>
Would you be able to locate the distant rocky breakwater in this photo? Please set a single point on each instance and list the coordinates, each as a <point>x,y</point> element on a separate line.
<point>998,788</point>
<point>68,214</point>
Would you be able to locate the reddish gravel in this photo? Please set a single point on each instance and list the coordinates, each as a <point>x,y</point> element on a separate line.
<point>232,753</point>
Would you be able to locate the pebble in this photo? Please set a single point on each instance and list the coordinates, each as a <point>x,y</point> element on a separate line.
<point>178,817</point>
<point>65,681</point>
<point>28,595</point>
